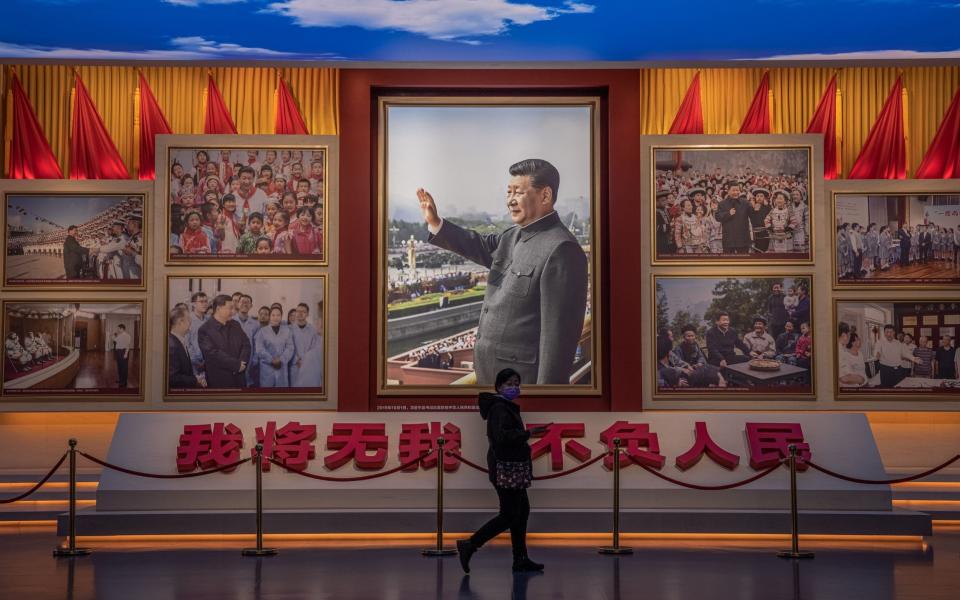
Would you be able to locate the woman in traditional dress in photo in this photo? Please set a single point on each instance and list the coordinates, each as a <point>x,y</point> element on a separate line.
<point>714,229</point>
<point>683,229</point>
<point>884,248</point>
<point>778,222</point>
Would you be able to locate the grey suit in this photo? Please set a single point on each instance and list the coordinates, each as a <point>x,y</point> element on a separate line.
<point>533,309</point>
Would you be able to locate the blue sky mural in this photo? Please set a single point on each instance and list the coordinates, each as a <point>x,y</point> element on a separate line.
<point>479,30</point>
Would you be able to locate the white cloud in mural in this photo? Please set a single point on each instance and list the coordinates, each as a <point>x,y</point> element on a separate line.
<point>867,55</point>
<point>182,48</point>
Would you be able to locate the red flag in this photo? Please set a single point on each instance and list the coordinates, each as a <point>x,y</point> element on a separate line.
<point>92,153</point>
<point>30,153</point>
<point>218,115</point>
<point>884,154</point>
<point>689,117</point>
<point>152,122</point>
<point>758,115</point>
<point>289,119</point>
<point>825,121</point>
<point>942,160</point>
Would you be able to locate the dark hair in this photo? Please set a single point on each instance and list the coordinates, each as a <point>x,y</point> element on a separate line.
<point>177,315</point>
<point>305,209</point>
<point>842,328</point>
<point>71,227</point>
<point>220,300</point>
<point>722,313</point>
<point>663,348</point>
<point>255,215</point>
<point>704,376</point>
<point>503,376</point>
<point>227,197</point>
<point>853,338</point>
<point>197,295</point>
<point>305,305</point>
<point>542,174</point>
<point>887,326</point>
<point>247,170</point>
<point>121,326</point>
<point>687,328</point>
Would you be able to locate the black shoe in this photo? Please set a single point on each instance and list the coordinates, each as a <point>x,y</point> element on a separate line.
<point>465,550</point>
<point>525,565</point>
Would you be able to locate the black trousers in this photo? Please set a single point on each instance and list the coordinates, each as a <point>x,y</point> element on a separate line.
<point>514,511</point>
<point>122,367</point>
<point>889,376</point>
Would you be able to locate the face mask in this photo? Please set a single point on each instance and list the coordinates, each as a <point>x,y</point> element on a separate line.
<point>510,393</point>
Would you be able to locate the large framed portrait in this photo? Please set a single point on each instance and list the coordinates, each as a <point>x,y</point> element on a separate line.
<point>246,199</point>
<point>87,349</point>
<point>246,338</point>
<point>731,199</point>
<point>732,337</point>
<point>897,349</point>
<point>896,234</point>
<point>75,235</point>
<point>488,244</point>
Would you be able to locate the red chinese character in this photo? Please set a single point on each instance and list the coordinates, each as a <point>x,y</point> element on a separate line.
<point>208,447</point>
<point>290,445</point>
<point>769,442</point>
<point>365,443</point>
<point>637,441</point>
<point>552,442</point>
<point>704,444</point>
<point>419,439</point>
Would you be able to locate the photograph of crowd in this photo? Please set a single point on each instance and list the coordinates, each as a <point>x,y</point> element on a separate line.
<point>262,336</point>
<point>64,348</point>
<point>488,229</point>
<point>716,336</point>
<point>250,204</point>
<point>73,240</point>
<point>904,347</point>
<point>741,204</point>
<point>897,240</point>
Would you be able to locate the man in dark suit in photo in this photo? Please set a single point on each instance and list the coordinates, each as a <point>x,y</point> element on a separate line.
<point>225,347</point>
<point>535,301</point>
<point>179,368</point>
<point>74,254</point>
<point>733,212</point>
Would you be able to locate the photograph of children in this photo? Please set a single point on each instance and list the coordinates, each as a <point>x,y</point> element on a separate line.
<point>897,240</point>
<point>236,336</point>
<point>905,347</point>
<point>250,204</point>
<point>733,336</point>
<point>64,348</point>
<point>486,246</point>
<point>739,204</point>
<point>73,240</point>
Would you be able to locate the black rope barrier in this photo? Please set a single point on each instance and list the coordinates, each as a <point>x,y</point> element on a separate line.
<point>104,463</point>
<point>400,467</point>
<point>39,483</point>
<point>583,465</point>
<point>696,486</point>
<point>926,473</point>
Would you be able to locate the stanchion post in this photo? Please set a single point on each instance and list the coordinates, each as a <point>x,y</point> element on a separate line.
<point>794,551</point>
<point>71,548</point>
<point>259,550</point>
<point>439,550</point>
<point>616,548</point>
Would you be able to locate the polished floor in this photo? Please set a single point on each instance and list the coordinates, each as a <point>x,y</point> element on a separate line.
<point>669,570</point>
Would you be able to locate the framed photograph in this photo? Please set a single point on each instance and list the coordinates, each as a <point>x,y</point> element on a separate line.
<point>246,338</point>
<point>878,357</point>
<point>488,244</point>
<point>896,234</point>
<point>731,199</point>
<point>732,337</point>
<point>246,199</point>
<point>75,235</point>
<point>56,350</point>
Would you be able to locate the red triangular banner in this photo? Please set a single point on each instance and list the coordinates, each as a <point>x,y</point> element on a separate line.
<point>93,154</point>
<point>942,160</point>
<point>30,153</point>
<point>289,119</point>
<point>758,115</point>
<point>884,154</point>
<point>152,122</point>
<point>825,121</point>
<point>218,118</point>
<point>689,117</point>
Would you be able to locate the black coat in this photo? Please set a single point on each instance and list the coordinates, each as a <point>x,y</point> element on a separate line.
<point>223,347</point>
<point>505,431</point>
<point>179,369</point>
<point>73,255</point>
<point>736,227</point>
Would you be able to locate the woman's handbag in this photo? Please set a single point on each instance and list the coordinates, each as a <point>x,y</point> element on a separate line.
<point>514,475</point>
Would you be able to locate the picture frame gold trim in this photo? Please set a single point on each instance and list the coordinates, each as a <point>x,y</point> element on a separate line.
<point>68,187</point>
<point>874,396</point>
<point>594,103</point>
<point>246,399</point>
<point>308,143</point>
<point>883,187</point>
<point>81,399</point>
<point>735,396</point>
<point>650,144</point>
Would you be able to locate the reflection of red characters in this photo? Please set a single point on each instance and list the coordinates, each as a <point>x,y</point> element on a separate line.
<point>769,441</point>
<point>364,443</point>
<point>704,445</point>
<point>636,441</point>
<point>208,446</point>
<point>417,439</point>
<point>552,441</point>
<point>290,445</point>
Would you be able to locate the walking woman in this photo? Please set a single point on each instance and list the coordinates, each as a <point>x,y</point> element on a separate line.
<point>510,467</point>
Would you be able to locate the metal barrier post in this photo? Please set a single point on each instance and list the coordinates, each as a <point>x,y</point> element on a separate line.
<point>439,550</point>
<point>71,548</point>
<point>794,551</point>
<point>259,550</point>
<point>616,548</point>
